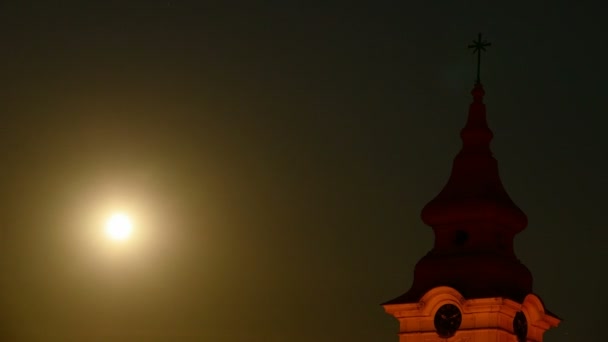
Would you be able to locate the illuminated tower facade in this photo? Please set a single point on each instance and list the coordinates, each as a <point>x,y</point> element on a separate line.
<point>471,287</point>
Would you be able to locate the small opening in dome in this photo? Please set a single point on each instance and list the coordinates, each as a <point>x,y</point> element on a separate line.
<point>461,237</point>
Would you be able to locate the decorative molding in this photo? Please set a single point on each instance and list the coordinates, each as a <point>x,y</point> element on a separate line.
<point>485,318</point>
<point>440,339</point>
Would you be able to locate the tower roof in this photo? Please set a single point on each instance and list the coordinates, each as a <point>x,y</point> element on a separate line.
<point>475,222</point>
<point>474,191</point>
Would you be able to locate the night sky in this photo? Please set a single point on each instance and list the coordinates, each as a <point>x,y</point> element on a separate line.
<point>275,158</point>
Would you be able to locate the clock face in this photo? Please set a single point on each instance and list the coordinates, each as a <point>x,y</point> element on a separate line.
<point>520,326</point>
<point>447,320</point>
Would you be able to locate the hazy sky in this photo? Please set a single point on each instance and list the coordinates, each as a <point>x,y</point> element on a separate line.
<point>276,157</point>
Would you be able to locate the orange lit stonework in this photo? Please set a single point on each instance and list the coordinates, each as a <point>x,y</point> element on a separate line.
<point>483,319</point>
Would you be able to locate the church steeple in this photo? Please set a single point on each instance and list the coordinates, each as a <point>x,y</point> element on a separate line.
<point>474,191</point>
<point>475,222</point>
<point>471,278</point>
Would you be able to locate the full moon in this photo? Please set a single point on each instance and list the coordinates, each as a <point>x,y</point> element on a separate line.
<point>119,227</point>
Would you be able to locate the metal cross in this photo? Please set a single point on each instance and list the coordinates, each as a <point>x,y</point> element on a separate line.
<point>478,46</point>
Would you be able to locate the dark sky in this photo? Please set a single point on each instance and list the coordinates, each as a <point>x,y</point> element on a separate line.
<point>276,157</point>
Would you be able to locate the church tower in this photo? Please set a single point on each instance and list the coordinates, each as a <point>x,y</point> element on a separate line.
<point>471,287</point>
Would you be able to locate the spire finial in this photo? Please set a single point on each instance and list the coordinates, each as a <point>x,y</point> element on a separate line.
<point>478,46</point>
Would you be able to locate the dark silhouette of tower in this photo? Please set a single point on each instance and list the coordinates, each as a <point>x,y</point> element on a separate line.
<point>471,286</point>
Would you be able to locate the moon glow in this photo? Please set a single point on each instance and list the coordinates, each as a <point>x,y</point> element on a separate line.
<point>119,227</point>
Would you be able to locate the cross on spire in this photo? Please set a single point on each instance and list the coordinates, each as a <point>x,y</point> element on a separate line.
<point>478,46</point>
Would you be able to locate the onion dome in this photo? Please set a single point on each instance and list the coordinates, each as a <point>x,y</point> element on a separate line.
<point>474,191</point>
<point>475,222</point>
